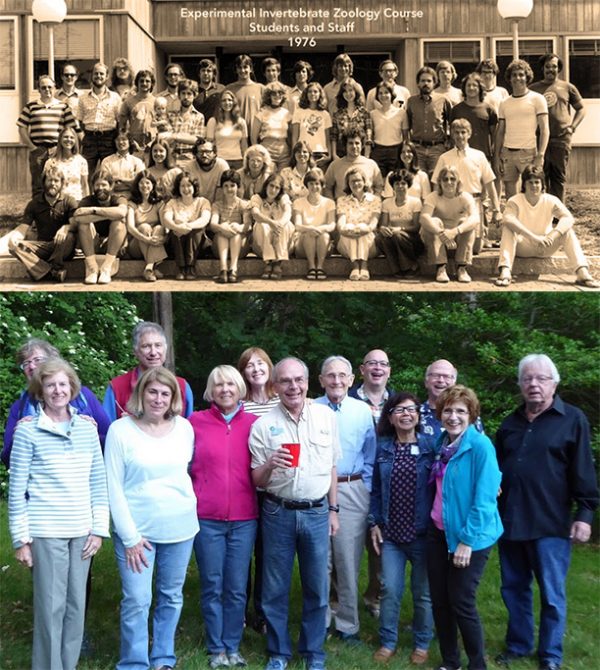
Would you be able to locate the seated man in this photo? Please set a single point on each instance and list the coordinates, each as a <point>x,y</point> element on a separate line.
<point>528,230</point>
<point>55,243</point>
<point>100,218</point>
<point>150,349</point>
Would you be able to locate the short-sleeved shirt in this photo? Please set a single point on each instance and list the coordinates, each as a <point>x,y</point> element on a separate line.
<point>191,123</point>
<point>387,128</point>
<point>317,432</point>
<point>49,218</point>
<point>99,112</point>
<point>72,99</point>
<point>73,168</point>
<point>274,123</point>
<point>336,173</point>
<point>427,117</point>
<point>420,188</point>
<point>314,215</point>
<point>249,96</point>
<point>208,180</point>
<point>521,117</point>
<point>402,95</point>
<point>359,211</point>
<point>45,122</point>
<point>495,96</point>
<point>313,124</point>
<point>102,226</point>
<point>138,113</point>
<point>402,216</point>
<point>537,218</point>
<point>473,167</point>
<point>207,100</point>
<point>230,213</point>
<point>560,97</point>
<point>483,119</point>
<point>451,210</point>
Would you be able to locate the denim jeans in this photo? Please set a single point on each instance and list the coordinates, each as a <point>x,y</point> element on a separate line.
<point>548,559</point>
<point>286,532</point>
<point>223,551</point>
<point>171,562</point>
<point>393,561</point>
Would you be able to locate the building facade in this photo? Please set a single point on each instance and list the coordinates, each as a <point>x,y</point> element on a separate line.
<point>152,33</point>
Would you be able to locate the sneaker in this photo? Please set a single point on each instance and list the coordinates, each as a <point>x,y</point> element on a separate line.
<point>364,275</point>
<point>104,277</point>
<point>315,665</point>
<point>462,275</point>
<point>219,660</point>
<point>58,275</point>
<point>354,275</point>
<point>276,663</point>
<point>442,276</point>
<point>236,660</point>
<point>91,278</point>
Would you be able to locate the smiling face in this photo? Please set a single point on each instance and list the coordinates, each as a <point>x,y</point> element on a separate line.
<point>144,84</point>
<point>244,71</point>
<point>146,187</point>
<point>99,75</point>
<point>102,189</point>
<point>302,156</point>
<point>406,155</point>
<point>159,153</point>
<point>122,144</point>
<point>313,95</point>
<point>353,147</point>
<point>156,400</point>
<point>472,89</point>
<point>449,184</point>
<point>400,189</point>
<point>56,392</point>
<point>151,350</point>
<point>256,372</point>
<point>537,386</point>
<point>301,77</point>
<point>389,73</point>
<point>255,163</point>
<point>230,189</point>
<point>404,417</point>
<point>460,137</point>
<point>186,188</point>
<point>342,70</point>
<point>272,73</point>
<point>349,93</point>
<point>439,376</point>
<point>375,369</point>
<point>46,88</point>
<point>227,102</point>
<point>291,385</point>
<point>336,379</point>
<point>534,188</point>
<point>357,184</point>
<point>551,69</point>
<point>34,359</point>
<point>52,185</point>
<point>455,418</point>
<point>518,81</point>
<point>173,76</point>
<point>384,96</point>
<point>315,187</point>
<point>225,395</point>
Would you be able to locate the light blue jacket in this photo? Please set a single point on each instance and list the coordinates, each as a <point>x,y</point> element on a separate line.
<point>470,493</point>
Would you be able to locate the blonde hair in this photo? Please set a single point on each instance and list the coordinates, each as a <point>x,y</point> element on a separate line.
<point>135,404</point>
<point>51,367</point>
<point>225,373</point>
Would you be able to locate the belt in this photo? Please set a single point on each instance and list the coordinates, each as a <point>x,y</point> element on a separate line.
<point>182,151</point>
<point>295,504</point>
<point>519,149</point>
<point>101,133</point>
<point>349,478</point>
<point>424,143</point>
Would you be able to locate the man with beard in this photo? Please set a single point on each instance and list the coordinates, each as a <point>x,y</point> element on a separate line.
<point>427,120</point>
<point>150,348</point>
<point>549,495</point>
<point>173,74</point>
<point>560,96</point>
<point>354,478</point>
<point>187,123</point>
<point>207,100</point>
<point>56,235</point>
<point>438,376</point>
<point>336,172</point>
<point>100,218</point>
<point>207,168</point>
<point>40,123</point>
<point>374,391</point>
<point>135,117</point>
<point>99,115</point>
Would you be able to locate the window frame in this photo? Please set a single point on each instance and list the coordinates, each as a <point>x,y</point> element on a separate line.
<point>470,38</point>
<point>5,92</point>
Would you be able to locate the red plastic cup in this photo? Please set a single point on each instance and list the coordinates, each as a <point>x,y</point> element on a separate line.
<point>294,449</point>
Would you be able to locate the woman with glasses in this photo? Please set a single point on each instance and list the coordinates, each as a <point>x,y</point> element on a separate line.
<point>29,357</point>
<point>465,525</point>
<point>401,501</point>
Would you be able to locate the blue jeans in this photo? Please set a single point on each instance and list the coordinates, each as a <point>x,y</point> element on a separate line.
<point>171,561</point>
<point>548,559</point>
<point>286,532</point>
<point>393,562</point>
<point>223,551</point>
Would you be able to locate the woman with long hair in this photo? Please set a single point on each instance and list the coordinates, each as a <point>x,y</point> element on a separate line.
<point>350,115</point>
<point>228,130</point>
<point>71,163</point>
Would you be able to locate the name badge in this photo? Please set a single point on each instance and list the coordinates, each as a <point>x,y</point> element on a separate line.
<point>414,450</point>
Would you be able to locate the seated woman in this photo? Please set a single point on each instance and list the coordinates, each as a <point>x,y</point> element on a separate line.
<point>57,511</point>
<point>357,217</point>
<point>227,511</point>
<point>400,507</point>
<point>293,176</point>
<point>71,163</point>
<point>257,166</point>
<point>398,234</point>
<point>465,525</point>
<point>448,220</point>
<point>186,216</point>
<point>314,221</point>
<point>147,237</point>
<point>230,223</point>
<point>350,115</point>
<point>122,165</point>
<point>271,125</point>
<point>527,230</point>
<point>153,508</point>
<point>160,162</point>
<point>228,131</point>
<point>272,230</point>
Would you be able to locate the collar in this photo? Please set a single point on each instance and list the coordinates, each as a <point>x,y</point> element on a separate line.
<point>288,416</point>
<point>557,405</point>
<point>360,392</point>
<point>45,422</point>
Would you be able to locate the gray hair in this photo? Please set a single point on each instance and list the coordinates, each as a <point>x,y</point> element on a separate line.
<point>33,343</point>
<point>275,373</point>
<point>224,373</point>
<point>332,359</point>
<point>532,359</point>
<point>143,327</point>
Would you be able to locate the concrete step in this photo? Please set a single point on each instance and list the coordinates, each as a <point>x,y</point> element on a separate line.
<point>484,265</point>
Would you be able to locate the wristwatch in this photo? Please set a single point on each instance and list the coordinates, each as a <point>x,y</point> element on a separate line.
<point>334,508</point>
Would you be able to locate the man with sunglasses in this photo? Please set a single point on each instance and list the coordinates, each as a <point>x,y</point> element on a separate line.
<point>68,92</point>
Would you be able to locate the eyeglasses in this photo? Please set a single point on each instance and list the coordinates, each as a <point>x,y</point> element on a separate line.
<point>32,361</point>
<point>286,381</point>
<point>449,411</point>
<point>449,179</point>
<point>542,379</point>
<point>441,375</point>
<point>69,74</point>
<point>373,363</point>
<point>404,409</point>
<point>332,376</point>
<point>46,88</point>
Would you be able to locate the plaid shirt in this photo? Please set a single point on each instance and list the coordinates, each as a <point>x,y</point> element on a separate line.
<point>99,113</point>
<point>191,123</point>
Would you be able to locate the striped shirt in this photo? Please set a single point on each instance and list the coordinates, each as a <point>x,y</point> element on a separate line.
<point>57,480</point>
<point>99,112</point>
<point>44,122</point>
<point>258,408</point>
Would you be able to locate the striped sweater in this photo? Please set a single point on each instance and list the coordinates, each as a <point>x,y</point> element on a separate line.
<point>57,480</point>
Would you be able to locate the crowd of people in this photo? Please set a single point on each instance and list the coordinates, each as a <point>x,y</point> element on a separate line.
<point>307,170</point>
<point>267,472</point>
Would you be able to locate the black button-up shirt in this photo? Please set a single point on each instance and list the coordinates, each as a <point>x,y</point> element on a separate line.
<point>546,466</point>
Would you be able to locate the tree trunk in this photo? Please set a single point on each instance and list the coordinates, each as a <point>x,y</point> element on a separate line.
<point>162,308</point>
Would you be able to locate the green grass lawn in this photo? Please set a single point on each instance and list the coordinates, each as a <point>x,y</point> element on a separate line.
<point>582,643</point>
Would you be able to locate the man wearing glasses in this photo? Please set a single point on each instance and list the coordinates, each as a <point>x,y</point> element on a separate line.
<point>439,376</point>
<point>354,477</point>
<point>299,513</point>
<point>549,495</point>
<point>68,92</point>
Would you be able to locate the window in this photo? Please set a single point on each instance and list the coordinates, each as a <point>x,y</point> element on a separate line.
<point>7,55</point>
<point>584,66</point>
<point>463,54</point>
<point>529,50</point>
<point>76,40</point>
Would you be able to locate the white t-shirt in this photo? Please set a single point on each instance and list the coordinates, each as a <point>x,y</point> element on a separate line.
<point>521,117</point>
<point>387,128</point>
<point>537,218</point>
<point>312,124</point>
